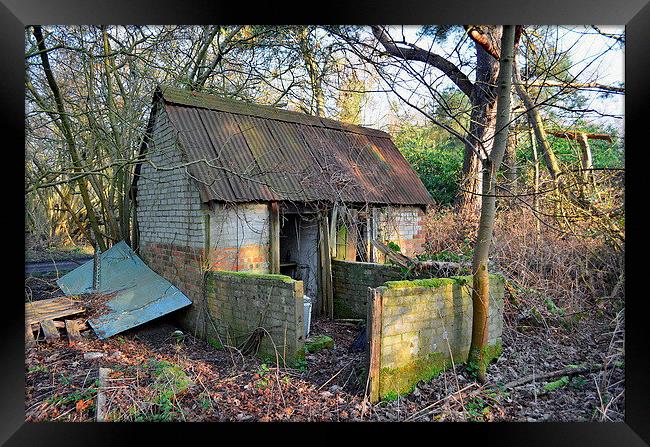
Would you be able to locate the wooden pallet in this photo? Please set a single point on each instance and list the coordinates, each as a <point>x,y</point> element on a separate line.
<point>37,311</point>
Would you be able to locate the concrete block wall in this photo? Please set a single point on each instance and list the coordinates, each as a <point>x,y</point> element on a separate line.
<point>239,302</point>
<point>424,323</point>
<point>351,280</point>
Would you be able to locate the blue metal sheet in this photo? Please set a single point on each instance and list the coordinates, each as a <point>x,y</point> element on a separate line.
<point>141,294</point>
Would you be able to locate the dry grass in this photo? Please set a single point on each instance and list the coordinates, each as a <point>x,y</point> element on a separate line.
<point>549,274</point>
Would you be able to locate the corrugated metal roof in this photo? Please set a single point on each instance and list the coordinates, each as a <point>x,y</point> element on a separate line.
<point>249,152</point>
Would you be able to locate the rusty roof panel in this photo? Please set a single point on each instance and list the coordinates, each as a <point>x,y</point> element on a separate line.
<point>242,152</point>
<point>229,139</point>
<point>214,102</point>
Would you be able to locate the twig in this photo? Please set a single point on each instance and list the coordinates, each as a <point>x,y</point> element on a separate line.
<point>334,376</point>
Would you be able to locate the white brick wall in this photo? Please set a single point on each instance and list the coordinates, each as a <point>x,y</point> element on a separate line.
<point>399,224</point>
<point>169,204</point>
<point>239,225</point>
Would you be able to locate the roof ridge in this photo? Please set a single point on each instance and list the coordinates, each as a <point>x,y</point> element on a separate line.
<point>222,104</point>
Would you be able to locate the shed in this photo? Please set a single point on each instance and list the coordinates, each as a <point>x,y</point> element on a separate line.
<point>230,186</point>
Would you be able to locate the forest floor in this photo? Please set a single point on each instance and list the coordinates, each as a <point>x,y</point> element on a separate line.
<point>160,375</point>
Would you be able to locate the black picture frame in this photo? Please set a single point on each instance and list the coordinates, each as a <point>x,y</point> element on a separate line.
<point>635,14</point>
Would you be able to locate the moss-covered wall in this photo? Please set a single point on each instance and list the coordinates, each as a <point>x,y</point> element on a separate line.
<point>239,302</point>
<point>427,322</point>
<point>351,281</point>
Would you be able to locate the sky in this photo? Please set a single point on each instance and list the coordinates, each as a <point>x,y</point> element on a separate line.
<point>590,52</point>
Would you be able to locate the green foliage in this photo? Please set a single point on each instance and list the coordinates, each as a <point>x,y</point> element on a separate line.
<point>552,307</point>
<point>464,254</point>
<point>216,344</point>
<point>37,369</point>
<point>578,382</point>
<point>477,408</point>
<point>170,381</point>
<point>265,378</point>
<point>393,246</point>
<point>73,397</point>
<point>66,380</point>
<point>391,396</point>
<point>436,157</point>
<point>300,365</point>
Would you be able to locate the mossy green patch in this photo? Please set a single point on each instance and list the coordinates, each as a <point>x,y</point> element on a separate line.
<point>429,282</point>
<point>552,386</point>
<point>490,352</point>
<point>253,275</point>
<point>437,282</point>
<point>318,342</point>
<point>216,344</point>
<point>400,381</point>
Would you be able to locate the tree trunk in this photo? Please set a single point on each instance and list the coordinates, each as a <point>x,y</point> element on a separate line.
<point>311,65</point>
<point>491,164</point>
<point>67,133</point>
<point>537,123</point>
<point>482,124</point>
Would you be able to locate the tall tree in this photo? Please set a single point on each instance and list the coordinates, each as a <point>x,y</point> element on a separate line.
<point>490,166</point>
<point>481,93</point>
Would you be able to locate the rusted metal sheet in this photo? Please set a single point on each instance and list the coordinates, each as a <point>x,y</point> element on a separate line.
<point>242,152</point>
<point>140,295</point>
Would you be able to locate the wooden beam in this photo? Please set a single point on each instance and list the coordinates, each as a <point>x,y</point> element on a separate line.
<point>36,311</point>
<point>72,328</point>
<point>575,135</point>
<point>374,342</point>
<point>325,286</point>
<point>102,409</point>
<point>274,254</point>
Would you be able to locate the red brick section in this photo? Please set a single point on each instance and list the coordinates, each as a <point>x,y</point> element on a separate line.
<point>248,257</point>
<point>179,265</point>
<point>182,266</point>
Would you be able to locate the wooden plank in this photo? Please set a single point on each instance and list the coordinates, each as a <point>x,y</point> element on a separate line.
<point>72,328</point>
<point>275,237</point>
<point>374,340</point>
<point>102,408</point>
<point>325,285</point>
<point>49,330</point>
<point>37,311</point>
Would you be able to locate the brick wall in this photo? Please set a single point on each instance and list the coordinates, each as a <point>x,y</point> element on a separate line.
<point>351,281</point>
<point>170,219</point>
<point>240,302</point>
<point>172,225</point>
<point>422,321</point>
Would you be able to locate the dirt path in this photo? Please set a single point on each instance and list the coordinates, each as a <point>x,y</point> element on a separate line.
<point>54,266</point>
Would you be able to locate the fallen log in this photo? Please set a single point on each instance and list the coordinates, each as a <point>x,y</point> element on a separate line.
<point>411,263</point>
<point>569,371</point>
